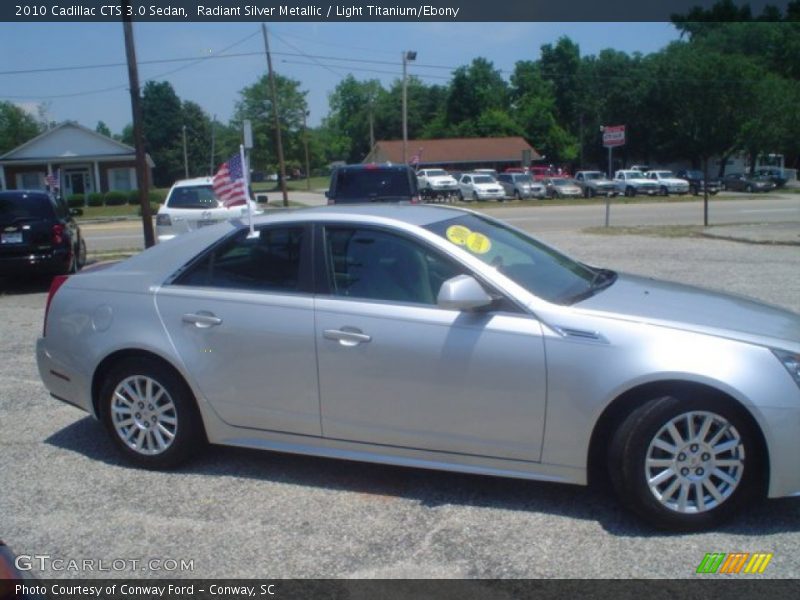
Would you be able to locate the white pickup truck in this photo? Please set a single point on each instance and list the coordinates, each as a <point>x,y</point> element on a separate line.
<point>435,183</point>
<point>631,182</point>
<point>668,183</point>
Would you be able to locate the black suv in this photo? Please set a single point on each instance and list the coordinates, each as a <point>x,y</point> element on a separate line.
<point>695,179</point>
<point>352,184</point>
<point>38,235</point>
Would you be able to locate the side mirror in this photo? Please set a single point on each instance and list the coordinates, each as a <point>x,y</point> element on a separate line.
<point>76,212</point>
<point>463,292</point>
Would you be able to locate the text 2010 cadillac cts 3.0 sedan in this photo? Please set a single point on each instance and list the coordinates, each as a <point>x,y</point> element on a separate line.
<point>439,338</point>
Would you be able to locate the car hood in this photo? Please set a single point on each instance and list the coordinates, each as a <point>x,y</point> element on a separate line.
<point>696,309</point>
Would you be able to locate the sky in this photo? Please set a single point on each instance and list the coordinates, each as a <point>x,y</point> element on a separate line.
<point>319,55</point>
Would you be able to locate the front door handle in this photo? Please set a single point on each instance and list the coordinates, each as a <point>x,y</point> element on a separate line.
<point>347,336</point>
<point>203,320</point>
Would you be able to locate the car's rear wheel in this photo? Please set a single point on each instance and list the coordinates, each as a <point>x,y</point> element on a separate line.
<point>685,463</point>
<point>150,413</point>
<point>664,191</point>
<point>80,259</point>
<point>517,195</point>
<point>749,188</point>
<point>630,192</point>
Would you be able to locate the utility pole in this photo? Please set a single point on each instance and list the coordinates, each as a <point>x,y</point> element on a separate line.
<point>305,144</point>
<point>138,134</point>
<point>185,156</point>
<point>274,95</point>
<point>213,139</point>
<point>407,56</point>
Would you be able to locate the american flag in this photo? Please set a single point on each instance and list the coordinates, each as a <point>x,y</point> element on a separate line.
<point>228,184</point>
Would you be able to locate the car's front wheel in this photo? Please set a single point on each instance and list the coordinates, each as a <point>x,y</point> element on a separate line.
<point>150,413</point>
<point>685,463</point>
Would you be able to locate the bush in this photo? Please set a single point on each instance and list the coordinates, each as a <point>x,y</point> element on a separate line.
<point>114,198</point>
<point>76,201</point>
<point>155,197</point>
<point>95,199</point>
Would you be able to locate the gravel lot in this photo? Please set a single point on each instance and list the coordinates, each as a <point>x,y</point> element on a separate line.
<point>239,513</point>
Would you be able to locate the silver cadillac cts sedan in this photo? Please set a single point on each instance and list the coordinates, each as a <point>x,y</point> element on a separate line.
<point>439,338</point>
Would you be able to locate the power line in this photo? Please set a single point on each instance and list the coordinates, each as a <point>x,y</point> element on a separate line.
<point>367,70</point>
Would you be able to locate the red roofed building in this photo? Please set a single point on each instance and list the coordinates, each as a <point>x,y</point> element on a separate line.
<point>456,153</point>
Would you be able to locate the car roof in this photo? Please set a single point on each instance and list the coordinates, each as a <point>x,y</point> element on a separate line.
<point>373,166</point>
<point>194,181</point>
<point>414,214</point>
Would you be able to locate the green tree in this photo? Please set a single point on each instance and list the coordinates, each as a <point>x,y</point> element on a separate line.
<point>102,129</point>
<point>16,126</point>
<point>473,91</point>
<point>353,104</point>
<point>255,104</point>
<point>162,123</point>
<point>198,138</point>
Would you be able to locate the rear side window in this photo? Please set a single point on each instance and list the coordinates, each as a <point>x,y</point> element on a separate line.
<point>17,208</point>
<point>267,262</point>
<point>373,184</point>
<point>196,196</point>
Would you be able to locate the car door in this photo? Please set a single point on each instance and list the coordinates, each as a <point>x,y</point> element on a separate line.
<point>465,186</point>
<point>395,369</point>
<point>241,318</point>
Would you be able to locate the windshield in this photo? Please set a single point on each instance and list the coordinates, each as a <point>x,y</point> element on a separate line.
<point>483,179</point>
<point>593,175</point>
<point>25,208</point>
<point>523,178</point>
<point>664,173</point>
<point>437,173</point>
<point>536,267</point>
<point>194,196</point>
<point>561,181</point>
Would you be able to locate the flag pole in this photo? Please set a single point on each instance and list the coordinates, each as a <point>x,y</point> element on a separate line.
<point>246,184</point>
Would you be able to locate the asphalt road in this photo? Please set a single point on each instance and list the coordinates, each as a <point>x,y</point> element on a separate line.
<point>106,237</point>
<point>239,513</point>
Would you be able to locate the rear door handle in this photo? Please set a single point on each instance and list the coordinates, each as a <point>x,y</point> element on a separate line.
<point>347,337</point>
<point>203,320</point>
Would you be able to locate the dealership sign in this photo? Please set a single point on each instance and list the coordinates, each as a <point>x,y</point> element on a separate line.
<point>613,135</point>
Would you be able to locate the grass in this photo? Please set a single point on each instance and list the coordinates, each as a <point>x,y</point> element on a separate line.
<point>668,231</point>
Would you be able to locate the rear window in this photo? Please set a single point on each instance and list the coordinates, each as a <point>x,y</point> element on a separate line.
<point>371,184</point>
<point>196,196</point>
<point>25,207</point>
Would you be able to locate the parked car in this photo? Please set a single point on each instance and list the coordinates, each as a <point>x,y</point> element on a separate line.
<point>520,185</point>
<point>436,183</point>
<point>433,337</point>
<point>191,204</point>
<point>39,235</point>
<point>741,182</point>
<point>480,186</point>
<point>560,187</point>
<point>632,182</point>
<point>774,174</point>
<point>697,182</point>
<point>668,183</point>
<point>595,183</point>
<point>356,184</point>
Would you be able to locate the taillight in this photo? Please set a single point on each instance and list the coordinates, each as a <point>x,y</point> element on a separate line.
<point>416,200</point>
<point>57,282</point>
<point>163,220</point>
<point>57,235</point>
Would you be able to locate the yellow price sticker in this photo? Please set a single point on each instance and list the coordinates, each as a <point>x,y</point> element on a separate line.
<point>478,243</point>
<point>458,234</point>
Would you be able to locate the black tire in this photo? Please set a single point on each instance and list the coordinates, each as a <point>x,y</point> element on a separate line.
<point>694,190</point>
<point>475,197</point>
<point>630,192</point>
<point>461,195</point>
<point>693,463</point>
<point>591,192</point>
<point>188,434</point>
<point>749,189</point>
<point>81,255</point>
<point>664,191</point>
<point>517,195</point>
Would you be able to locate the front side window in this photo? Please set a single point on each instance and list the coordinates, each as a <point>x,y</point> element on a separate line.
<point>268,262</point>
<point>376,265</point>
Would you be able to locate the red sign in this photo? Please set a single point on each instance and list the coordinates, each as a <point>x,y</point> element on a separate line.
<point>613,135</point>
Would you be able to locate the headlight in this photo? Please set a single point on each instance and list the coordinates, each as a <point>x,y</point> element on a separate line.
<point>790,360</point>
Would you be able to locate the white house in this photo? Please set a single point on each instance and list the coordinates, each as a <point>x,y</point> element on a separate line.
<point>83,160</point>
